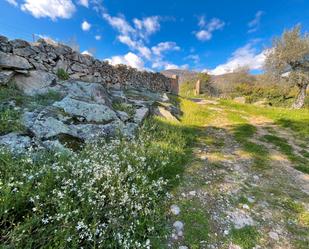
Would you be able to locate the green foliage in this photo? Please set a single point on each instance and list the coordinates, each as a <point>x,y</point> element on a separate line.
<point>246,237</point>
<point>62,74</point>
<point>46,98</point>
<point>10,120</point>
<point>120,106</point>
<point>11,93</point>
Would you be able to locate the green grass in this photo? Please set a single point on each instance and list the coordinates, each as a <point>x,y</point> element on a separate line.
<point>10,120</point>
<point>46,99</point>
<point>296,120</point>
<point>62,74</point>
<point>260,155</point>
<point>129,109</point>
<point>246,237</point>
<point>196,224</point>
<point>302,164</point>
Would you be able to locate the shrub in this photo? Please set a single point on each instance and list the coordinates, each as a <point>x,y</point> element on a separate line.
<point>62,74</point>
<point>101,198</point>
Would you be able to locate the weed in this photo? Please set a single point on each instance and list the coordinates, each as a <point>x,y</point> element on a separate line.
<point>62,74</point>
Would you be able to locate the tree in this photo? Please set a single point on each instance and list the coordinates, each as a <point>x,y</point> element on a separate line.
<point>289,57</point>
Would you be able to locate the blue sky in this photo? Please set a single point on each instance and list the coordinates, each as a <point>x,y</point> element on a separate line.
<point>218,36</point>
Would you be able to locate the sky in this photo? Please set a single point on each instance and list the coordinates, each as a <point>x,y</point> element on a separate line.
<point>202,35</point>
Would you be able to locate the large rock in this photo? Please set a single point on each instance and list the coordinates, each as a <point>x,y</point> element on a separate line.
<point>15,142</point>
<point>89,92</point>
<point>141,114</point>
<point>164,113</point>
<point>90,111</point>
<point>44,126</point>
<point>35,82</point>
<point>92,132</point>
<point>6,76</point>
<point>18,43</point>
<point>26,51</point>
<point>13,61</point>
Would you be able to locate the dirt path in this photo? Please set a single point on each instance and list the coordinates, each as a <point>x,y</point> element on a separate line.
<point>241,192</point>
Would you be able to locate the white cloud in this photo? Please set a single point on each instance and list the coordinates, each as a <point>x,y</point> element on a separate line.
<point>84,3</point>
<point>245,56</point>
<point>13,2</point>
<point>86,26</point>
<point>135,36</point>
<point>202,21</point>
<point>119,23</point>
<point>255,23</point>
<point>49,8</point>
<point>207,28</point>
<point>135,45</point>
<point>129,59</point>
<point>203,35</point>
<point>98,37</point>
<point>164,46</point>
<point>194,57</point>
<point>147,26</point>
<point>161,64</point>
<point>86,52</point>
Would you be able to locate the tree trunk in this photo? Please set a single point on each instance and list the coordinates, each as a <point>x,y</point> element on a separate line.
<point>300,99</point>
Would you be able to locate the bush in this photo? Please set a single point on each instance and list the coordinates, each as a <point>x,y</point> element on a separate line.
<point>62,74</point>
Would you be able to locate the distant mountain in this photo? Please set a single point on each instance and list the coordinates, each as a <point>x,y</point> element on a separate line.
<point>184,75</point>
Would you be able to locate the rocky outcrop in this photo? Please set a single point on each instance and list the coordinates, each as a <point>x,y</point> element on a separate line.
<point>35,62</point>
<point>34,81</point>
<point>84,112</point>
<point>98,100</point>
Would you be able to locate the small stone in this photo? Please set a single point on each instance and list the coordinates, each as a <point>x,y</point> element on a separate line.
<point>273,235</point>
<point>183,247</point>
<point>178,225</point>
<point>251,199</point>
<point>174,236</point>
<point>192,193</point>
<point>256,178</point>
<point>245,206</point>
<point>233,246</point>
<point>175,210</point>
<point>180,233</point>
<point>226,232</point>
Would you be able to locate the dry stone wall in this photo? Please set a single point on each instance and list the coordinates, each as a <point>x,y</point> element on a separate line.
<point>37,63</point>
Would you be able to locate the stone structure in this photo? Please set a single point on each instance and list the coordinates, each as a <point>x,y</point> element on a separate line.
<point>36,64</point>
<point>198,87</point>
<point>175,84</point>
<point>98,100</point>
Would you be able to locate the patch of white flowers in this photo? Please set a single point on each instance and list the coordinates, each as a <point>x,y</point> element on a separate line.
<point>104,197</point>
